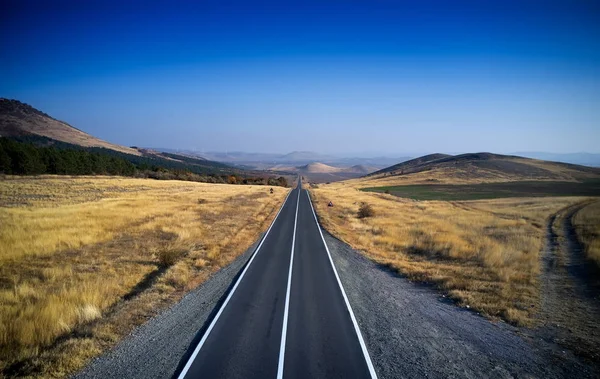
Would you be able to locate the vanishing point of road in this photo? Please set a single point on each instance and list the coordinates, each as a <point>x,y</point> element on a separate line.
<point>287,315</point>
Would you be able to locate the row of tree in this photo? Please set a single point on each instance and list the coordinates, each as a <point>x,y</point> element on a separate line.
<point>33,158</point>
<point>19,158</point>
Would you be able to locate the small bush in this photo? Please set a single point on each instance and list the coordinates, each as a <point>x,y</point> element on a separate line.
<point>365,210</point>
<point>168,257</point>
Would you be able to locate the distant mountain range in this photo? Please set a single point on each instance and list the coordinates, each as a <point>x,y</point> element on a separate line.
<point>318,172</point>
<point>295,158</point>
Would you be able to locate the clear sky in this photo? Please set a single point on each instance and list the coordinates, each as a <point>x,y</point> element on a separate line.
<point>339,77</point>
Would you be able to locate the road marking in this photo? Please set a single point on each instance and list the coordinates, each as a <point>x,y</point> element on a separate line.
<point>214,321</point>
<point>356,328</point>
<point>286,310</point>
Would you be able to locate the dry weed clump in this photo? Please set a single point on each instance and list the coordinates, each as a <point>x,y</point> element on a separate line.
<point>96,256</point>
<point>167,257</point>
<point>484,253</point>
<point>365,210</point>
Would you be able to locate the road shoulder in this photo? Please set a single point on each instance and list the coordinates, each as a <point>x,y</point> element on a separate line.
<point>412,331</point>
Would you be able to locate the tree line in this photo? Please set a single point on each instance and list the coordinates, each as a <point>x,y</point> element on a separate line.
<point>19,158</point>
<point>39,156</point>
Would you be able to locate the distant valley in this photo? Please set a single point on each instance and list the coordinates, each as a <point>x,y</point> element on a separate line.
<point>317,172</point>
<point>295,158</point>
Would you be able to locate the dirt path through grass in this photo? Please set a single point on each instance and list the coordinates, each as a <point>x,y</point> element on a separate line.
<point>570,297</point>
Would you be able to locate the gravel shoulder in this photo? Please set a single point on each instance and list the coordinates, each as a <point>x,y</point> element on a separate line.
<point>412,331</point>
<point>160,348</point>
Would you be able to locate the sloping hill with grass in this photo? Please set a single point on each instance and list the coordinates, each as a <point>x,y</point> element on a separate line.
<point>18,119</point>
<point>476,168</point>
<point>412,163</point>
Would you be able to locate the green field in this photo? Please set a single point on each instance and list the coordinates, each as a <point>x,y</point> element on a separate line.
<point>481,191</point>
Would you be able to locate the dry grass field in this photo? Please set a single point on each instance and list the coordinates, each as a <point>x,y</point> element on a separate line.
<point>485,254</point>
<point>587,226</point>
<point>84,260</point>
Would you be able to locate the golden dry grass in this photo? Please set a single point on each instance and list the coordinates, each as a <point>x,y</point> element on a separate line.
<point>484,254</point>
<point>587,226</point>
<point>94,257</point>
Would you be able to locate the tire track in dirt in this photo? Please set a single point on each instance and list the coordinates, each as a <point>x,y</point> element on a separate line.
<point>570,307</point>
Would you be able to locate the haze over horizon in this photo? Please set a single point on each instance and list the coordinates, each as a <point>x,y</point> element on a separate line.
<point>331,77</point>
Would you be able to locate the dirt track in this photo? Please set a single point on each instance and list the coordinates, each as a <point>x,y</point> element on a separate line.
<point>570,297</point>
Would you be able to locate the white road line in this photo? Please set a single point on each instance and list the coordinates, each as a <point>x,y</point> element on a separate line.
<point>286,310</point>
<point>356,328</point>
<point>214,321</point>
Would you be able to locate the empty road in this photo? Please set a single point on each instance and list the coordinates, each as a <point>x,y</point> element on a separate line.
<point>287,315</point>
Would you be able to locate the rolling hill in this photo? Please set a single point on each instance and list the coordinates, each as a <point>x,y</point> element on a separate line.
<point>476,168</point>
<point>319,168</point>
<point>411,163</point>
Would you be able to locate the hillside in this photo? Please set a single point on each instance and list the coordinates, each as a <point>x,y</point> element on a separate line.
<point>411,163</point>
<point>24,123</point>
<point>474,168</point>
<point>18,119</point>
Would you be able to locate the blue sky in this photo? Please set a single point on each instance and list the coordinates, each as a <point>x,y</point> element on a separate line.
<point>341,77</point>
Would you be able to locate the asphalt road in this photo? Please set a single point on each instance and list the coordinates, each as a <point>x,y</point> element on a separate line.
<point>287,315</point>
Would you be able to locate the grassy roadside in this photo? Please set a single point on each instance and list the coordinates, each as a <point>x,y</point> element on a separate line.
<point>83,261</point>
<point>587,226</point>
<point>485,254</point>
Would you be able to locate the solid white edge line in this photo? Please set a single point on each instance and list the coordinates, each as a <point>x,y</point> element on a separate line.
<point>356,328</point>
<point>287,296</point>
<point>216,318</point>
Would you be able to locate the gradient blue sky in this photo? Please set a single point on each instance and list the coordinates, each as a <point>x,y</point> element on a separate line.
<point>380,77</point>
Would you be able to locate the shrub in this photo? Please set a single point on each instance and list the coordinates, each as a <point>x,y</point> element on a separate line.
<point>168,257</point>
<point>365,210</point>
